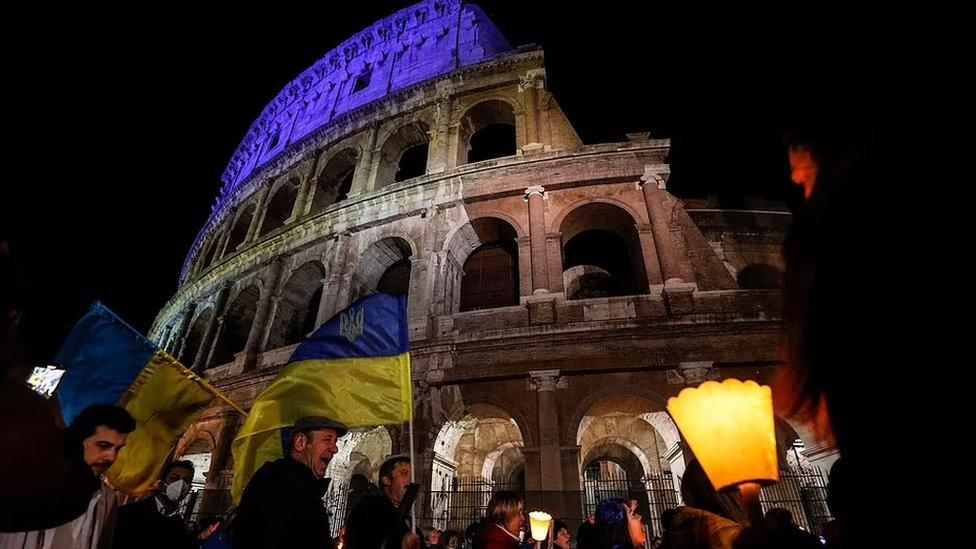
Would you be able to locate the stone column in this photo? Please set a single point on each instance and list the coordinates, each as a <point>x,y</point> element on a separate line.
<point>164,337</point>
<point>202,360</point>
<point>180,339</point>
<point>255,225</point>
<point>554,259</point>
<point>651,264</point>
<point>529,84</point>
<point>558,473</point>
<point>335,280</point>
<point>266,307</point>
<point>525,265</point>
<point>361,182</point>
<point>667,230</point>
<point>416,297</point>
<point>320,315</point>
<point>221,246</point>
<point>213,496</point>
<point>537,239</point>
<point>440,138</point>
<point>300,207</point>
<point>544,383</point>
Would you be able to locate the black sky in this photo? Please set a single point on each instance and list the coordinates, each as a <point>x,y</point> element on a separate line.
<point>123,122</point>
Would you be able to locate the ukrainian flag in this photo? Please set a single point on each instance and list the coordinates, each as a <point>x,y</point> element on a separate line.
<point>108,362</point>
<point>355,369</point>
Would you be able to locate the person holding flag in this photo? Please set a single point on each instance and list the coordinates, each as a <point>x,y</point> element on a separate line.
<point>109,362</point>
<point>282,505</point>
<point>353,371</point>
<point>127,402</point>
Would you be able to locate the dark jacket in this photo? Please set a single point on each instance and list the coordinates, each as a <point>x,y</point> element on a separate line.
<point>371,521</point>
<point>492,536</point>
<point>141,525</point>
<point>45,483</point>
<point>282,507</point>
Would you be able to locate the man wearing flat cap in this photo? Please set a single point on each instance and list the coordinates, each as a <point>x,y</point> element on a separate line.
<point>282,504</point>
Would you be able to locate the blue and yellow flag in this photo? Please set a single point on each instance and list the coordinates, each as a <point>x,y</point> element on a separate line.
<point>109,362</point>
<point>355,369</point>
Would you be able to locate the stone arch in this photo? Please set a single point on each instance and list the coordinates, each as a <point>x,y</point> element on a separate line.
<point>612,397</point>
<point>280,205</point>
<point>480,448</point>
<point>602,238</point>
<point>473,101</point>
<point>236,327</point>
<point>209,254</point>
<point>361,451</point>
<point>333,182</point>
<point>298,305</point>
<point>238,231</point>
<point>194,336</point>
<point>505,464</point>
<point>614,469</point>
<point>486,130</point>
<point>455,244</point>
<point>618,450</point>
<point>400,154</point>
<point>486,254</point>
<point>384,266</point>
<point>627,430</point>
<point>199,452</point>
<point>560,217</point>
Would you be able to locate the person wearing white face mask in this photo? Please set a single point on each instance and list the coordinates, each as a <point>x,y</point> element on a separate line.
<point>155,521</point>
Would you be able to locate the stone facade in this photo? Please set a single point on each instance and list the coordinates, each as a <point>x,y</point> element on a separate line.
<point>558,294</point>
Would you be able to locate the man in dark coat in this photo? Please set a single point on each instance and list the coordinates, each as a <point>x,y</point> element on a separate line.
<point>376,517</point>
<point>282,504</point>
<point>156,521</point>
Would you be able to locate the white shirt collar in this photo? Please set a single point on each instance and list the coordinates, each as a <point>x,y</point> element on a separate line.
<point>162,508</point>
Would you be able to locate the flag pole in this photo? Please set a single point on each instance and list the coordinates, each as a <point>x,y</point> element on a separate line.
<point>413,468</point>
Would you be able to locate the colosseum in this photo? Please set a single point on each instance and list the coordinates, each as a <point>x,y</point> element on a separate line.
<point>558,293</point>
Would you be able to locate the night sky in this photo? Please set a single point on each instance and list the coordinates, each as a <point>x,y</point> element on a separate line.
<point>124,128</point>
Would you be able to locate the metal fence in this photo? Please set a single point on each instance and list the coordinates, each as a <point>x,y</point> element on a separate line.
<point>803,492</point>
<point>653,493</point>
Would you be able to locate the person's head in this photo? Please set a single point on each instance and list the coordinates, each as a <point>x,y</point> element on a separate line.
<point>315,440</point>
<point>452,539</point>
<point>99,433</point>
<point>395,473</point>
<point>506,509</point>
<point>359,483</point>
<point>470,531</point>
<point>175,479</point>
<point>667,519</point>
<point>635,523</point>
<point>779,518</point>
<point>561,537</point>
<point>432,536</point>
<point>618,524</point>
